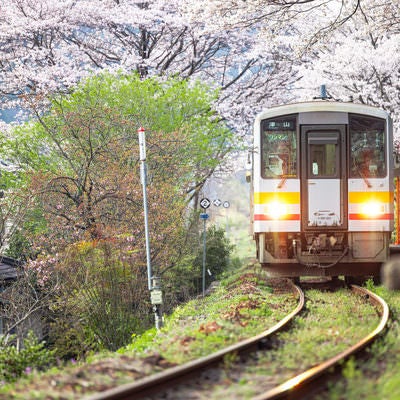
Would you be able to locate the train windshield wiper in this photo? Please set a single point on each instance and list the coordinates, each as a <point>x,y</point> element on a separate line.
<point>365,178</point>
<point>282,181</point>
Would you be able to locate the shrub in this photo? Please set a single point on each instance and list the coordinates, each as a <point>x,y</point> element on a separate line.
<point>218,251</point>
<point>102,299</point>
<point>15,362</point>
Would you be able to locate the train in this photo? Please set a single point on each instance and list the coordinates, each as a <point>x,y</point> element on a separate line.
<point>322,195</point>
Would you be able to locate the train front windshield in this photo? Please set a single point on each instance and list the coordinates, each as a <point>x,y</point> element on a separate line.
<point>367,156</point>
<point>367,147</point>
<point>279,148</point>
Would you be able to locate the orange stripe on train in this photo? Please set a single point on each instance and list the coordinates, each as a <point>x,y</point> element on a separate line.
<point>286,217</point>
<point>363,217</point>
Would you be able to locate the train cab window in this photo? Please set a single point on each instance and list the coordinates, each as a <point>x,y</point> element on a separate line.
<point>279,147</point>
<point>323,157</point>
<point>367,147</point>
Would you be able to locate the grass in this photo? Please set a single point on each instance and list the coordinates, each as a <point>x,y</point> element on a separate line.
<point>314,337</point>
<point>242,306</point>
<point>334,321</point>
<point>377,377</point>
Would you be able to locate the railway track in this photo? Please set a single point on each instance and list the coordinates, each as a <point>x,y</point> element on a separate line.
<point>298,386</point>
<point>161,381</point>
<point>295,388</point>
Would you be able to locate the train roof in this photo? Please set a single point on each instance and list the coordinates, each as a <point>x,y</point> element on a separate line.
<point>322,106</point>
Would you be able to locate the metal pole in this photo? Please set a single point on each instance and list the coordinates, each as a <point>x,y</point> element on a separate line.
<point>204,217</point>
<point>154,283</point>
<point>143,177</point>
<point>204,258</point>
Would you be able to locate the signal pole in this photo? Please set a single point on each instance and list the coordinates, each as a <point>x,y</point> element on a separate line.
<point>204,217</point>
<point>154,283</point>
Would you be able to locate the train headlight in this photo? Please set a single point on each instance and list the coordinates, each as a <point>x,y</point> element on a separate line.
<point>372,209</point>
<point>276,210</point>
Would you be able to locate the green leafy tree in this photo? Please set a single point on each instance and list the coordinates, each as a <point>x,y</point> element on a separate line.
<point>81,159</point>
<point>218,251</point>
<point>80,165</point>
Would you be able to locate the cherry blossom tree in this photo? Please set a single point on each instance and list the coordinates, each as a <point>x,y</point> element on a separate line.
<point>360,61</point>
<point>351,46</point>
<point>274,17</point>
<point>48,46</point>
<point>245,48</point>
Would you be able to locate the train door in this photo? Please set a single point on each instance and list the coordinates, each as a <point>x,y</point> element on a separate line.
<point>323,176</point>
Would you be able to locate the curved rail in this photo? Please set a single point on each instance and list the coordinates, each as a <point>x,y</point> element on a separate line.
<point>153,383</point>
<point>290,387</point>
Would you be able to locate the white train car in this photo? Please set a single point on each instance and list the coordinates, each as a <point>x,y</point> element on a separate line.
<point>322,189</point>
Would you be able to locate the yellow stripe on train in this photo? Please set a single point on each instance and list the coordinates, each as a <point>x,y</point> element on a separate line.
<point>362,197</point>
<point>284,197</point>
<point>294,197</point>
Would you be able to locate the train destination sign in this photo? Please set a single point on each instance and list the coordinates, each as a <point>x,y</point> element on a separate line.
<point>280,124</point>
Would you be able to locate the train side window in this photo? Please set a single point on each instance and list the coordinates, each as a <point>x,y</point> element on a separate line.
<point>367,147</point>
<point>279,148</point>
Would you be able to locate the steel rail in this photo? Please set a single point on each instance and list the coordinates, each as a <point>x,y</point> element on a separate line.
<point>294,387</point>
<point>155,383</point>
